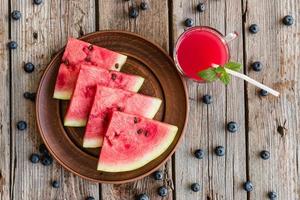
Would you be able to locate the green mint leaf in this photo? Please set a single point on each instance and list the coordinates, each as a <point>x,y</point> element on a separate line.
<point>220,70</point>
<point>225,78</point>
<point>233,66</point>
<point>208,75</point>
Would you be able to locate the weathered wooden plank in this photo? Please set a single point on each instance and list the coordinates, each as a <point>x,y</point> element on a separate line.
<point>219,177</point>
<point>5,104</point>
<point>277,47</point>
<point>152,24</point>
<point>42,30</point>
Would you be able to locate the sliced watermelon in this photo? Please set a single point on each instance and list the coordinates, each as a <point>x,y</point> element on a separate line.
<point>132,141</point>
<point>76,53</point>
<point>88,78</point>
<point>111,99</point>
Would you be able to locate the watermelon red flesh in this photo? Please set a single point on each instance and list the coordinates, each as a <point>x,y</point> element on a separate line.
<point>111,99</point>
<point>82,99</point>
<point>132,141</point>
<point>79,52</point>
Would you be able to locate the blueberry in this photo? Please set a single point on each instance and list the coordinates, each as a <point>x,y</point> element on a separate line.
<point>29,67</point>
<point>207,99</point>
<point>263,93</point>
<point>12,45</point>
<point>144,6</point>
<point>257,66</point>
<point>220,151</point>
<point>16,15</point>
<point>253,28</point>
<point>37,2</point>
<point>143,197</point>
<point>162,191</point>
<point>29,95</point>
<point>55,184</point>
<point>201,7</point>
<point>288,20</point>
<point>133,12</point>
<point>272,195</point>
<point>248,186</point>
<point>90,198</point>
<point>43,149</point>
<point>195,187</point>
<point>199,153</point>
<point>34,158</point>
<point>158,175</point>
<point>232,127</point>
<point>265,155</point>
<point>188,22</point>
<point>46,160</point>
<point>21,125</point>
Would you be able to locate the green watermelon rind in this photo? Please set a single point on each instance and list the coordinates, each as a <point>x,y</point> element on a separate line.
<point>62,95</point>
<point>164,145</point>
<point>74,123</point>
<point>138,84</point>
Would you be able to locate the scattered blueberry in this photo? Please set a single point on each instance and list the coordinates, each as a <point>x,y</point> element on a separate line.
<point>248,186</point>
<point>199,153</point>
<point>90,198</point>
<point>253,28</point>
<point>201,7</point>
<point>43,149</point>
<point>16,15</point>
<point>34,158</point>
<point>162,191</point>
<point>188,22</point>
<point>29,67</point>
<point>37,2</point>
<point>195,187</point>
<point>133,12</point>
<point>272,195</point>
<point>263,93</point>
<point>207,99</point>
<point>144,6</point>
<point>158,175</point>
<point>55,184</point>
<point>220,151</point>
<point>12,45</point>
<point>265,155</point>
<point>288,20</point>
<point>257,66</point>
<point>232,127</point>
<point>143,197</point>
<point>46,160</point>
<point>29,95</point>
<point>21,125</point>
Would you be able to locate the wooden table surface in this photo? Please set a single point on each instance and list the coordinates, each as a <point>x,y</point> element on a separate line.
<point>43,29</point>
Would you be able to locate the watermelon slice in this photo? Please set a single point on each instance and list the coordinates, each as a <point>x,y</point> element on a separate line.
<point>76,53</point>
<point>111,99</point>
<point>88,78</point>
<point>132,141</point>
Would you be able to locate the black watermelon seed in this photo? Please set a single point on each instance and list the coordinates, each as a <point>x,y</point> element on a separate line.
<point>263,93</point>
<point>188,22</point>
<point>43,149</point>
<point>12,45</point>
<point>232,127</point>
<point>91,47</point>
<point>257,66</point>
<point>29,67</point>
<point>90,198</point>
<point>34,158</point>
<point>144,6</point>
<point>133,12</point>
<point>66,62</point>
<point>272,195</point>
<point>265,155</point>
<point>195,187</point>
<point>207,99</point>
<point>37,2</point>
<point>113,76</point>
<point>201,7</point>
<point>46,160</point>
<point>288,20</point>
<point>21,125</point>
<point>158,175</point>
<point>220,151</point>
<point>16,15</point>
<point>253,28</point>
<point>140,131</point>
<point>143,197</point>
<point>248,186</point>
<point>199,153</point>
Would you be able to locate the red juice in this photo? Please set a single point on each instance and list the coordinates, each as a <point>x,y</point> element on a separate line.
<point>198,48</point>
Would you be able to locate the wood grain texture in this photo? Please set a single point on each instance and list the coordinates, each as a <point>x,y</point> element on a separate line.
<point>153,24</point>
<point>41,31</point>
<point>219,177</point>
<point>277,47</point>
<point>5,104</point>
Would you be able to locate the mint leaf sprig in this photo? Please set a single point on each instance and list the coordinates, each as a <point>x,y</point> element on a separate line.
<point>220,72</point>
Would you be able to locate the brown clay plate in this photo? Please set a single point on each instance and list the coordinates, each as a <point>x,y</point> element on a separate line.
<point>161,80</point>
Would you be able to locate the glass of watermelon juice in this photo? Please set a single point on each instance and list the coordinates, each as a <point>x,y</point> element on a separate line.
<point>199,48</point>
